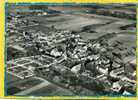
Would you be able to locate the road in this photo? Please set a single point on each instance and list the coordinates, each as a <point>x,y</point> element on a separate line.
<point>25,92</point>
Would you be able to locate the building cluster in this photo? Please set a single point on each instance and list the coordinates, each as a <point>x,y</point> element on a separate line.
<point>95,65</point>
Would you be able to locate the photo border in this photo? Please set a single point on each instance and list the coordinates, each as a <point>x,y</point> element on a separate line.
<point>3,42</point>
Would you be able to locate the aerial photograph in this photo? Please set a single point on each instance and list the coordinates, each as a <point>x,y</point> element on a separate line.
<point>70,49</point>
